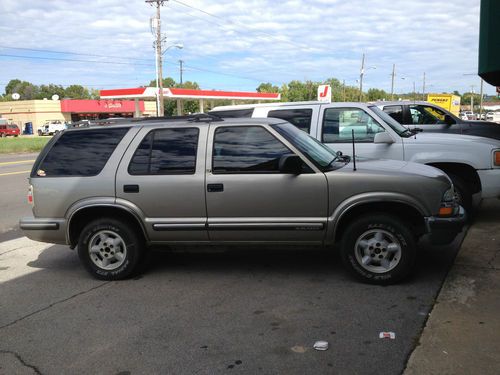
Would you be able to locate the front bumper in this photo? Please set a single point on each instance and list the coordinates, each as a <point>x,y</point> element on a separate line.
<point>44,230</point>
<point>443,230</point>
<point>490,182</point>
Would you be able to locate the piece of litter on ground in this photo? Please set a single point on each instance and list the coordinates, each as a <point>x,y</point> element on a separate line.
<point>321,345</point>
<point>299,349</point>
<point>387,335</point>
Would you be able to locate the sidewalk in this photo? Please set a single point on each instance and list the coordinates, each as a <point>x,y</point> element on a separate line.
<point>462,334</point>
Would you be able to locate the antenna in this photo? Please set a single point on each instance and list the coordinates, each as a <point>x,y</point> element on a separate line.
<point>353,151</point>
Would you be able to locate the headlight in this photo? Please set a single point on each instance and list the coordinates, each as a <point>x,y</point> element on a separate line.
<point>448,204</point>
<point>496,158</point>
<point>449,195</point>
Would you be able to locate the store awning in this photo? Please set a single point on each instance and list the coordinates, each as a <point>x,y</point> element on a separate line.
<point>489,42</point>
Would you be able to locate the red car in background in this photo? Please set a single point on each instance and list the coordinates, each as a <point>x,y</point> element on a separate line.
<point>9,130</point>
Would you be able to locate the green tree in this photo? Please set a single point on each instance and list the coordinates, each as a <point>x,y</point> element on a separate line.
<point>76,92</point>
<point>47,91</point>
<point>25,89</point>
<point>376,94</point>
<point>267,87</point>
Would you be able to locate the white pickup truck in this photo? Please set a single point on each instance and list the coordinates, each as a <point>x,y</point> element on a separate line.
<point>52,127</point>
<point>472,163</point>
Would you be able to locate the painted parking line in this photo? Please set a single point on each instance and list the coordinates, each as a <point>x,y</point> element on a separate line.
<point>17,162</point>
<point>10,173</point>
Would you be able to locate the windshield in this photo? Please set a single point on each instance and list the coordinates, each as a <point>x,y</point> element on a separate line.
<point>315,151</point>
<point>396,126</point>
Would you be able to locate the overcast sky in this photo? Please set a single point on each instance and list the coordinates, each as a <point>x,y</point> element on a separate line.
<point>239,44</point>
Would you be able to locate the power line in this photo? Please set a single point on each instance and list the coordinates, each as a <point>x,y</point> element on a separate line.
<point>72,53</point>
<point>242,25</point>
<point>73,60</point>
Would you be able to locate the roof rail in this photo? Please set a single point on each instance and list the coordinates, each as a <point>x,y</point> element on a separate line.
<point>195,117</point>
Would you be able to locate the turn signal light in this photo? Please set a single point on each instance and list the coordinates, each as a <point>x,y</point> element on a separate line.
<point>30,195</point>
<point>496,158</point>
<point>445,211</point>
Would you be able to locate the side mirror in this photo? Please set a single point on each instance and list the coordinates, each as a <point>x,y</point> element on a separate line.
<point>290,164</point>
<point>383,137</point>
<point>448,120</point>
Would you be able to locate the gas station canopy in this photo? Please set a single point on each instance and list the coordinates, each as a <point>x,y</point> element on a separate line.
<point>174,93</point>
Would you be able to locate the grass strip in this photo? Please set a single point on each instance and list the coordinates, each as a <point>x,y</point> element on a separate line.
<point>11,145</point>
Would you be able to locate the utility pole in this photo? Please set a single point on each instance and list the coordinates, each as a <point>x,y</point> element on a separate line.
<point>423,89</point>
<point>158,40</point>
<point>392,80</point>
<point>472,98</point>
<point>181,70</point>
<point>361,73</point>
<point>414,92</point>
<point>343,89</point>
<point>481,100</point>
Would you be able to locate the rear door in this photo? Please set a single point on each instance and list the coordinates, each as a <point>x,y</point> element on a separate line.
<point>249,199</point>
<point>162,175</point>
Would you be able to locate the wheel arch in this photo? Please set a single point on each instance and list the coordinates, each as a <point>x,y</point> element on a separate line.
<point>462,170</point>
<point>83,215</point>
<point>400,209</point>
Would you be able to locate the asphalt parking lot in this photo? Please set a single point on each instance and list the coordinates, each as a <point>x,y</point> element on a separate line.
<point>202,310</point>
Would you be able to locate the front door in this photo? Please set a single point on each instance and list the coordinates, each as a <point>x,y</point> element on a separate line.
<point>339,124</point>
<point>250,200</point>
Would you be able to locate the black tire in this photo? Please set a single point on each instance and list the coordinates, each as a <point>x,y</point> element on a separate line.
<point>463,193</point>
<point>394,244</point>
<point>40,134</point>
<point>128,243</point>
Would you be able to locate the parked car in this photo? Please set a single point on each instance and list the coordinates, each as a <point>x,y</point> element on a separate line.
<point>239,181</point>
<point>432,118</point>
<point>52,127</point>
<point>9,130</point>
<point>493,117</point>
<point>473,163</point>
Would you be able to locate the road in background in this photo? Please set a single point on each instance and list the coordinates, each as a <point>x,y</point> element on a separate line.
<point>14,172</point>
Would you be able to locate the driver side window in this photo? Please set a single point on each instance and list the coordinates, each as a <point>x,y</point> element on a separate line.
<point>422,114</point>
<point>339,124</point>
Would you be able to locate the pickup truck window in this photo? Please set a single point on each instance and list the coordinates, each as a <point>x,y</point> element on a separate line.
<point>396,126</point>
<point>338,124</point>
<point>80,154</point>
<point>246,149</point>
<point>301,118</point>
<point>395,111</point>
<point>424,114</point>
<point>316,152</point>
<point>166,151</point>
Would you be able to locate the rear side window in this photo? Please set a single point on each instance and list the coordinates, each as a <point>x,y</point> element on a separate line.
<point>80,153</point>
<point>301,118</point>
<point>166,151</point>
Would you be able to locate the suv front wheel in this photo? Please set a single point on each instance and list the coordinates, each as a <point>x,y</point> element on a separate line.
<point>110,249</point>
<point>378,249</point>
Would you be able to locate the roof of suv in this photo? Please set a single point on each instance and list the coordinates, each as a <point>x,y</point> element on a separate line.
<point>282,104</point>
<point>180,120</point>
<point>399,102</point>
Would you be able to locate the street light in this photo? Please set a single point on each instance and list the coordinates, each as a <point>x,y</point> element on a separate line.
<point>361,74</point>
<point>159,74</point>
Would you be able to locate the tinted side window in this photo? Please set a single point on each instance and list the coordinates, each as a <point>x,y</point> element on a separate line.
<point>423,114</point>
<point>249,149</point>
<point>338,124</point>
<point>236,113</point>
<point>81,153</point>
<point>301,118</point>
<point>395,111</point>
<point>166,151</point>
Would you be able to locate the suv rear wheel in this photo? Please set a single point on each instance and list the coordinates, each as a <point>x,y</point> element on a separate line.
<point>378,249</point>
<point>110,249</point>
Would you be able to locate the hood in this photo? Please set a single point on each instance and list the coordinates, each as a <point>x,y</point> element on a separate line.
<point>402,168</point>
<point>452,139</point>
